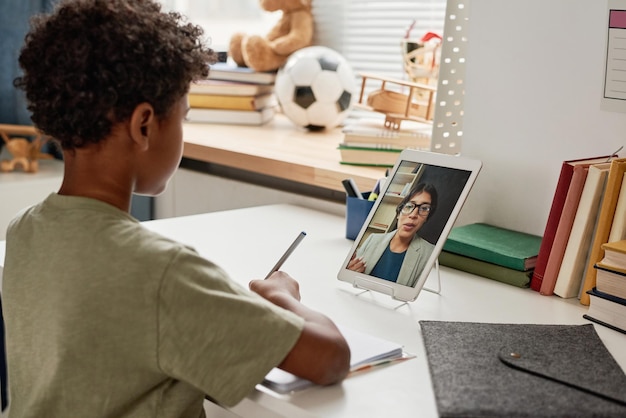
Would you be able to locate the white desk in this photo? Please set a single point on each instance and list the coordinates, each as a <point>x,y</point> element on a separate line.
<point>399,390</point>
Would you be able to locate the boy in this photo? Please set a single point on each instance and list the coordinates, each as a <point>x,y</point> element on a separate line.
<point>106,318</point>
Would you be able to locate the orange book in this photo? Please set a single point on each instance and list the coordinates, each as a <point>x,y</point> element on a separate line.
<point>563,229</point>
<point>224,101</point>
<point>605,220</point>
<point>618,227</point>
<point>229,88</point>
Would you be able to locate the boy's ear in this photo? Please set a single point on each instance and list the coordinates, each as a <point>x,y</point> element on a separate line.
<point>142,123</point>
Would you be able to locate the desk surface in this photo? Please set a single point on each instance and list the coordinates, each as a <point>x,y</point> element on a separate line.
<point>404,388</point>
<point>277,149</point>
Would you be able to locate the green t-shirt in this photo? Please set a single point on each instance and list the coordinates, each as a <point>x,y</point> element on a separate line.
<point>105,318</point>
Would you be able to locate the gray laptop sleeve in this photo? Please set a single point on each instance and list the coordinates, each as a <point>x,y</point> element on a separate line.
<point>522,370</point>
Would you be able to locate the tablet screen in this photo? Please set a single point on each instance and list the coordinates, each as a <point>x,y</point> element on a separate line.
<point>409,222</point>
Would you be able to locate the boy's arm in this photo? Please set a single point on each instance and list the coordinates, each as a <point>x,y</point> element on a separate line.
<point>321,354</point>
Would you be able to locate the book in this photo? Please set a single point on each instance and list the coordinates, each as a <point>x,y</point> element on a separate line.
<point>504,247</point>
<point>231,72</point>
<point>231,88</point>
<point>605,219</point>
<point>577,250</point>
<point>411,134</point>
<point>558,200</point>
<point>607,310</point>
<point>563,230</point>
<point>610,280</point>
<point>234,117</point>
<point>618,227</point>
<point>214,101</point>
<point>368,156</point>
<point>366,350</point>
<point>482,268</point>
<point>614,255</point>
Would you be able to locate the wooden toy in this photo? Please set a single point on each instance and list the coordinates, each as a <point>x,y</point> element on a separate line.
<point>24,152</point>
<point>417,104</point>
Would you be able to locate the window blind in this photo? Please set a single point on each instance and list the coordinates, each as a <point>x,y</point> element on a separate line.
<point>368,33</point>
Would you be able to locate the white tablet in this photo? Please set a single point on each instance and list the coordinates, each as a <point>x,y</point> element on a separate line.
<point>404,232</point>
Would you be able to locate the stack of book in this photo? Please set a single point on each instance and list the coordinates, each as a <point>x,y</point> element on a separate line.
<point>493,252</point>
<point>588,209</point>
<point>367,142</point>
<point>608,298</point>
<point>233,95</point>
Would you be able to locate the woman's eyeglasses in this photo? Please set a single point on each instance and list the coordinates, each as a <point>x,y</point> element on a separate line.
<point>422,210</point>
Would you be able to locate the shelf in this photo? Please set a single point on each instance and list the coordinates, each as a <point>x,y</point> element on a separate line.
<point>278,149</point>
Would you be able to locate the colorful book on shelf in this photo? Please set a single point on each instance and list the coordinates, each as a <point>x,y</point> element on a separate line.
<point>482,268</point>
<point>231,72</point>
<point>229,88</point>
<point>603,229</point>
<point>607,310</point>
<point>366,351</point>
<point>563,230</point>
<point>232,117</point>
<point>556,208</point>
<point>618,227</point>
<point>372,131</point>
<point>373,146</point>
<point>577,250</point>
<point>214,101</point>
<point>367,156</point>
<point>504,247</point>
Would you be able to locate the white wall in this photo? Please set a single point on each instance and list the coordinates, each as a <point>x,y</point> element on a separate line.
<point>534,82</point>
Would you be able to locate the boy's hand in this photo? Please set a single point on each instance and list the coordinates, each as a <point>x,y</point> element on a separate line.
<point>279,283</point>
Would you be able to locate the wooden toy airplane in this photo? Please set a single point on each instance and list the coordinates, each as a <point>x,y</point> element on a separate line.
<point>417,105</point>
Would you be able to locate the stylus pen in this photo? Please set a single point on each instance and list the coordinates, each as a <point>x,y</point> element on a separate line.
<point>282,259</point>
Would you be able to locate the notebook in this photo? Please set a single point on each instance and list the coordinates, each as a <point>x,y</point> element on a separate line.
<point>365,351</point>
<point>406,228</point>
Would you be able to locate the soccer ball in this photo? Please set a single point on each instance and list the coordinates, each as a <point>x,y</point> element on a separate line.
<point>315,88</point>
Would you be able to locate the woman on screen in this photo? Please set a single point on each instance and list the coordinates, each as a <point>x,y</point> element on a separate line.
<point>400,255</point>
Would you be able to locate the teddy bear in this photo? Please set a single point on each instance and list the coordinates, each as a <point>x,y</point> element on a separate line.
<point>292,32</point>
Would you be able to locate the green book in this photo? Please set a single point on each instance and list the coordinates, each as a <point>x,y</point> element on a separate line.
<point>484,269</point>
<point>501,246</point>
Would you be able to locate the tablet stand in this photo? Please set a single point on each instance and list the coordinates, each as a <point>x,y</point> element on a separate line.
<point>437,291</point>
<point>364,291</point>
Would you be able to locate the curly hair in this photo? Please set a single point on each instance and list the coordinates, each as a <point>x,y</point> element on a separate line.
<point>88,64</point>
<point>420,188</point>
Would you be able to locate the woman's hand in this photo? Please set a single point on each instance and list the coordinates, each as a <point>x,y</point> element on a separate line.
<point>356,264</point>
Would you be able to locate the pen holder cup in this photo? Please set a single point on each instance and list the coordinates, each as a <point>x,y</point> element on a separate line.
<point>356,214</point>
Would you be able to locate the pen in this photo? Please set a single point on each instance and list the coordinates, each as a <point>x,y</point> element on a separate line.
<point>382,362</point>
<point>351,188</point>
<point>282,259</point>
